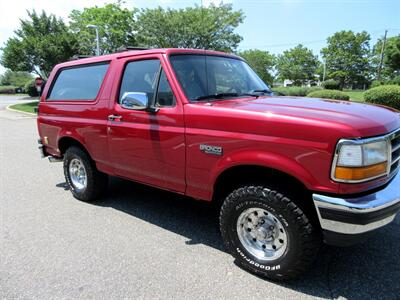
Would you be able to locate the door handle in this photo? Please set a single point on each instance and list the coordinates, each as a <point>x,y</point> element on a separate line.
<point>115,118</point>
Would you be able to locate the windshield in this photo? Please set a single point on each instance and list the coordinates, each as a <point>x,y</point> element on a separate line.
<point>215,77</point>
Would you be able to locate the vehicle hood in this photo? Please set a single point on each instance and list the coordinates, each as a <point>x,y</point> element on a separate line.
<point>364,119</point>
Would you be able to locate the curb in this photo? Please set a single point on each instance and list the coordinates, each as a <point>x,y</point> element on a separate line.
<point>8,107</point>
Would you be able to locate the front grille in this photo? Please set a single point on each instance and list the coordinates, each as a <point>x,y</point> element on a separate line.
<point>395,160</point>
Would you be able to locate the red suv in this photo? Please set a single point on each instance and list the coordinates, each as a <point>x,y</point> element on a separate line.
<point>288,172</point>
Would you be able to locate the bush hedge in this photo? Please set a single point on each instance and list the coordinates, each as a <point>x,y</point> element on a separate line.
<point>376,83</point>
<point>331,84</point>
<point>30,89</point>
<point>7,89</point>
<point>395,80</point>
<point>388,95</point>
<point>294,90</point>
<point>329,94</point>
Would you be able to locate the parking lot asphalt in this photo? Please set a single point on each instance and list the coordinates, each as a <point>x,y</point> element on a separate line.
<point>143,243</point>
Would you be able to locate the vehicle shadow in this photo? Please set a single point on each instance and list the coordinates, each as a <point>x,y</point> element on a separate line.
<point>368,270</point>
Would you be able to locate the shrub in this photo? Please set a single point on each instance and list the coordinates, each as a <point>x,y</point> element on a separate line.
<point>395,80</point>
<point>329,94</point>
<point>295,90</point>
<point>388,95</point>
<point>375,83</point>
<point>331,84</point>
<point>7,89</point>
<point>30,89</point>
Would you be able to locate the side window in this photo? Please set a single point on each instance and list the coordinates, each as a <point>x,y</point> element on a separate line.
<point>140,77</point>
<point>165,97</point>
<point>78,83</point>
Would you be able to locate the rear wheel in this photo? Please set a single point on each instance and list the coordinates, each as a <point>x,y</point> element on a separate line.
<point>85,182</point>
<point>267,233</point>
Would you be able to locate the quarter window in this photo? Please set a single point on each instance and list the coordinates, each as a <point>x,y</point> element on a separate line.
<point>79,83</point>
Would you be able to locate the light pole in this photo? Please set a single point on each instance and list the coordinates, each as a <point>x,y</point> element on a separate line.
<point>97,37</point>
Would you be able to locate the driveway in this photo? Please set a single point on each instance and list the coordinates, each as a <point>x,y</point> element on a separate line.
<point>6,100</point>
<point>139,242</point>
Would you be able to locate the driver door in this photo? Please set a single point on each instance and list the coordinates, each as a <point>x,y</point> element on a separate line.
<point>146,146</point>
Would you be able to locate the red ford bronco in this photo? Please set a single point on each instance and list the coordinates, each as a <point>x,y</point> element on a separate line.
<point>288,172</point>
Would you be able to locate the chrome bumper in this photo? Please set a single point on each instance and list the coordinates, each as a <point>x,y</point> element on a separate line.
<point>352,216</point>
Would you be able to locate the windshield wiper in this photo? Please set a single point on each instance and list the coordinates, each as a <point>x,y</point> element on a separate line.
<point>224,95</point>
<point>261,91</point>
<point>217,96</point>
<point>250,94</point>
<point>256,93</point>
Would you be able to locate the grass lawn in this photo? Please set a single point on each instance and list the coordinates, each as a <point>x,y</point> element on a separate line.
<point>16,95</point>
<point>355,95</point>
<point>26,107</point>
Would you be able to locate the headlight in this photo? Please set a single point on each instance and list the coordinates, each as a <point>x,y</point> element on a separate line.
<point>357,160</point>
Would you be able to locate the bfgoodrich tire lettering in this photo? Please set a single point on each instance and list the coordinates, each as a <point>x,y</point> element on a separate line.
<point>302,238</point>
<point>96,182</point>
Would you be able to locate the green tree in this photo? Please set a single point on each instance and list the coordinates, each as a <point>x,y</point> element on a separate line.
<point>298,64</point>
<point>193,27</point>
<point>347,57</point>
<point>116,27</point>
<point>17,79</point>
<point>262,62</point>
<point>41,42</point>
<point>392,57</point>
<point>391,60</point>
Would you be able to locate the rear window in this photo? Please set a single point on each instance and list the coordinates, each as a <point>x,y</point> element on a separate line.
<point>78,83</point>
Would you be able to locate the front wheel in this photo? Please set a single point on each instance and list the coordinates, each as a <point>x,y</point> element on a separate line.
<point>85,182</point>
<point>267,233</point>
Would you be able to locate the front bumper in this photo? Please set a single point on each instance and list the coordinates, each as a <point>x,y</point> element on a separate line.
<point>345,221</point>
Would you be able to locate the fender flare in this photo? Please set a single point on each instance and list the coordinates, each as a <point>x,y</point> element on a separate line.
<point>262,159</point>
<point>71,135</point>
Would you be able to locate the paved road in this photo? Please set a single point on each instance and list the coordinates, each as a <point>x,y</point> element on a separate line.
<point>138,242</point>
<point>6,100</point>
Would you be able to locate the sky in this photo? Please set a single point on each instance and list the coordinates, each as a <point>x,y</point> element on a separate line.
<point>272,25</point>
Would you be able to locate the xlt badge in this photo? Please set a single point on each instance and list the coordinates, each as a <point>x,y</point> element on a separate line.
<point>216,150</point>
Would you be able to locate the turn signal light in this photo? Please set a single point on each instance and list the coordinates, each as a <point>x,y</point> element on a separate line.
<point>360,173</point>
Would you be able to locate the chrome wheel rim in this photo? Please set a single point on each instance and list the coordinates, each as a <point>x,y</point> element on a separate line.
<point>262,234</point>
<point>77,174</point>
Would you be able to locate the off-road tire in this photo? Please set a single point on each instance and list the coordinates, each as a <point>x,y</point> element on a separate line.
<point>97,181</point>
<point>303,236</point>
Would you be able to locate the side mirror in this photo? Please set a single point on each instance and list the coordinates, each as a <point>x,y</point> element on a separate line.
<point>135,100</point>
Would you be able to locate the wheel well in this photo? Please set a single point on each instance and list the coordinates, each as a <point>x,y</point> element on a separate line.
<point>65,142</point>
<point>235,177</point>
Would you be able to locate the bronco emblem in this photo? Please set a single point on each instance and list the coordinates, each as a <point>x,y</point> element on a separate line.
<point>216,150</point>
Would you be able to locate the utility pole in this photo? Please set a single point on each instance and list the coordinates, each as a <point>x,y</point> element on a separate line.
<point>382,55</point>
<point>202,20</point>
<point>324,74</point>
<point>97,37</point>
